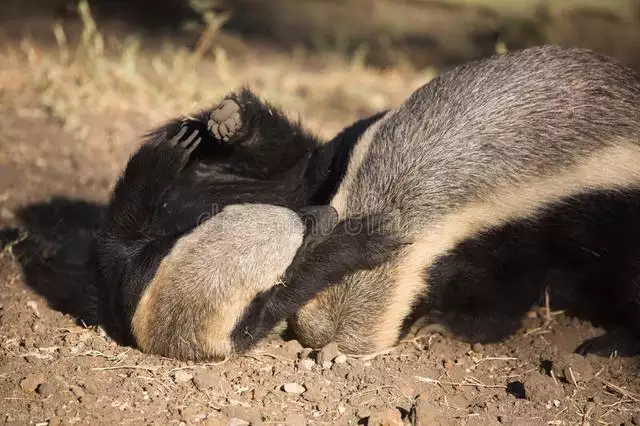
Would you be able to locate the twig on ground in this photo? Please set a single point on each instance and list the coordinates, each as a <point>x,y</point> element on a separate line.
<point>188,367</point>
<point>369,357</point>
<point>620,391</point>
<point>468,381</point>
<point>129,367</point>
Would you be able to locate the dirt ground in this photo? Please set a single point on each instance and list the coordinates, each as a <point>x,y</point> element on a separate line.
<point>68,122</point>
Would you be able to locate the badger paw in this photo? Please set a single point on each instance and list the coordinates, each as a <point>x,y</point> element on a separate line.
<point>226,120</point>
<point>185,144</point>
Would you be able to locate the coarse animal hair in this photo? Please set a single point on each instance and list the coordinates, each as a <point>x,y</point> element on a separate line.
<point>185,173</point>
<point>530,150</point>
<point>201,287</point>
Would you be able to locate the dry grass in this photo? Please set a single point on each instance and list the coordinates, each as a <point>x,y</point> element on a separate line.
<point>97,76</point>
<point>106,88</point>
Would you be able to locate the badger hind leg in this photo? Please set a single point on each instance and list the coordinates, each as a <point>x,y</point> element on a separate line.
<point>243,118</point>
<point>225,120</point>
<point>260,135</point>
<point>320,322</point>
<point>349,314</point>
<point>314,325</point>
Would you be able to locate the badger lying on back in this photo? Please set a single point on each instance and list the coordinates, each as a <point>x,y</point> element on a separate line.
<point>177,267</point>
<point>503,175</point>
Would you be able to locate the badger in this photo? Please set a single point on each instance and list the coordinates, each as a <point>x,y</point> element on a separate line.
<point>182,251</point>
<point>201,287</point>
<point>500,177</point>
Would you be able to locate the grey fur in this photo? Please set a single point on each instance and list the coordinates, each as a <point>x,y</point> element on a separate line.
<point>190,308</point>
<point>476,129</point>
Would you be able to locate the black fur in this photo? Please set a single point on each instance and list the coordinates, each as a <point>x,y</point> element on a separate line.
<point>346,141</point>
<point>585,249</point>
<point>354,244</point>
<point>446,156</point>
<point>166,191</point>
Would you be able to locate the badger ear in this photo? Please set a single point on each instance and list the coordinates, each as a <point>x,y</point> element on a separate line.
<point>318,220</point>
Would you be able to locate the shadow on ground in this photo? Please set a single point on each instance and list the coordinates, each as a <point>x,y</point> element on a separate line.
<point>53,248</point>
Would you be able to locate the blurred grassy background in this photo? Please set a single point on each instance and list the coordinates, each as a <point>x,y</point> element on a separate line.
<point>436,33</point>
<point>139,62</point>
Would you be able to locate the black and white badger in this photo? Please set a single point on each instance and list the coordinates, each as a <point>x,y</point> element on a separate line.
<point>493,180</point>
<point>200,289</point>
<point>173,280</point>
<point>502,175</point>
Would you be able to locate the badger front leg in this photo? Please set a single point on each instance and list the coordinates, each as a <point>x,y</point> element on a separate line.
<point>148,174</point>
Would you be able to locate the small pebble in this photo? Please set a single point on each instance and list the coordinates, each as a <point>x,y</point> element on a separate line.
<point>31,382</point>
<point>45,389</point>
<point>7,214</point>
<point>192,414</point>
<point>181,376</point>
<point>306,364</point>
<point>34,307</point>
<point>205,379</point>
<point>90,388</point>
<point>427,413</point>
<point>293,388</point>
<point>54,421</point>
<point>315,394</point>
<point>327,354</point>
<point>542,388</point>
<point>77,391</point>
<point>340,359</point>
<point>291,349</point>
<point>574,367</point>
<point>326,364</point>
<point>216,419</point>
<point>243,415</point>
<point>363,412</point>
<point>340,370</point>
<point>390,417</point>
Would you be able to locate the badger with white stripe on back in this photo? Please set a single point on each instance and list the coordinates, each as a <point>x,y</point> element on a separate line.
<point>181,253</point>
<point>503,175</point>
